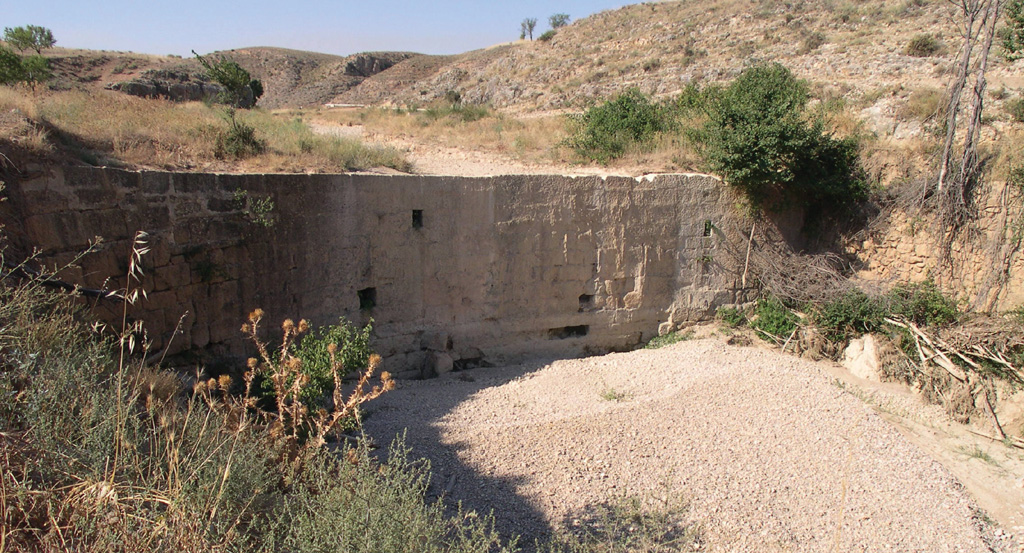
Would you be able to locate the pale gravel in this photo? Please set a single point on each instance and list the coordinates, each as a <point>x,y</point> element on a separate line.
<point>770,454</point>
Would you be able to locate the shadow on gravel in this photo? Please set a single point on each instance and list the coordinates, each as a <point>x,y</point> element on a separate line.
<point>416,409</point>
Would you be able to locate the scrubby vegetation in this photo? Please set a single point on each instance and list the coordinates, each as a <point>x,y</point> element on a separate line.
<point>757,133</point>
<point>605,132</point>
<point>102,452</point>
<point>110,128</point>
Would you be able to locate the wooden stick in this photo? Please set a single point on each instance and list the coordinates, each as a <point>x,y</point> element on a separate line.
<point>750,243</point>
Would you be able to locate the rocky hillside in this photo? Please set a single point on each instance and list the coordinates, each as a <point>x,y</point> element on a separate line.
<point>856,48</point>
<point>291,78</point>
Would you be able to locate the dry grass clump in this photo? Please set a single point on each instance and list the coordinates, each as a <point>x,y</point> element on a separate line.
<point>533,139</point>
<point>110,128</point>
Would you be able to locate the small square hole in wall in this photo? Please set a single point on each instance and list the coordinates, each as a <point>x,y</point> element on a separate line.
<point>586,302</point>
<point>708,227</point>
<point>367,298</point>
<point>417,218</point>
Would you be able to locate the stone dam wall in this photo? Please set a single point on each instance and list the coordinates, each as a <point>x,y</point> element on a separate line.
<point>453,271</point>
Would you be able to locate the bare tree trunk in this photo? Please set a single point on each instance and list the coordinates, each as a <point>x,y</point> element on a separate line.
<point>969,161</point>
<point>970,10</point>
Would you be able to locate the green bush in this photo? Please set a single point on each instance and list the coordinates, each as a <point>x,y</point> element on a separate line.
<point>604,132</point>
<point>731,316</point>
<point>773,317</point>
<point>239,141</point>
<point>11,69</point>
<point>547,35</point>
<point>922,303</point>
<point>760,138</point>
<point>856,313</point>
<point>923,46</point>
<point>353,350</point>
<point>853,313</point>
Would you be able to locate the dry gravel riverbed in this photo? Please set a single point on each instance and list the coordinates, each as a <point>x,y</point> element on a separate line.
<point>769,453</point>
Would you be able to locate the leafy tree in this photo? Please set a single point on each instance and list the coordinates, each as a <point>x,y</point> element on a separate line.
<point>29,37</point>
<point>527,27</point>
<point>558,20</point>
<point>11,69</point>
<point>240,89</point>
<point>759,138</point>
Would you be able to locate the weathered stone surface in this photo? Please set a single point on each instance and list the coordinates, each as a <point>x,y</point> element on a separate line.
<point>500,263</point>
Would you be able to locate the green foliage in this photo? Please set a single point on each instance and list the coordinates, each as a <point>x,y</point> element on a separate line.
<point>527,26</point>
<point>31,70</point>
<point>856,313</point>
<point>239,141</point>
<point>669,339</point>
<point>36,70</point>
<point>923,46</point>
<point>240,89</point>
<point>731,316</point>
<point>604,132</point>
<point>1013,34</point>
<point>353,351</point>
<point>923,303</point>
<point>773,317</point>
<point>113,457</point>
<point>558,20</point>
<point>547,35</point>
<point>759,139</point>
<point>11,69</point>
<point>257,210</point>
<point>29,37</point>
<point>853,313</point>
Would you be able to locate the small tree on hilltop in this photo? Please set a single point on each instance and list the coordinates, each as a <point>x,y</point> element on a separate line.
<point>527,27</point>
<point>558,20</point>
<point>240,89</point>
<point>29,37</point>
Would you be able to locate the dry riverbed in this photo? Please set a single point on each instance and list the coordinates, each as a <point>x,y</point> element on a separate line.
<point>769,452</point>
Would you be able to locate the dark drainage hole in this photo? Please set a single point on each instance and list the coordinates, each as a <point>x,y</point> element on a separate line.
<point>586,302</point>
<point>367,298</point>
<point>417,218</point>
<point>708,227</point>
<point>568,332</point>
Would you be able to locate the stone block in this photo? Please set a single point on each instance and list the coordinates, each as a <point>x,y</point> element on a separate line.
<point>861,358</point>
<point>440,362</point>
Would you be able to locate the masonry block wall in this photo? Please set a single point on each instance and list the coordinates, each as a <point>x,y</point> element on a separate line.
<point>452,270</point>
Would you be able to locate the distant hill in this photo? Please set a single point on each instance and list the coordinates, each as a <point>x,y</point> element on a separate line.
<point>291,78</point>
<point>852,49</point>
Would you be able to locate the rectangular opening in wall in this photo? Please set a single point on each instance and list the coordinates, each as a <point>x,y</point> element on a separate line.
<point>708,227</point>
<point>367,298</point>
<point>417,218</point>
<point>586,302</point>
<point>568,332</point>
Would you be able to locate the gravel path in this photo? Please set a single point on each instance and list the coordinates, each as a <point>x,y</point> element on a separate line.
<point>769,453</point>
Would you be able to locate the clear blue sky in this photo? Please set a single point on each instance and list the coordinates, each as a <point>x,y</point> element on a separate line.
<point>338,27</point>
